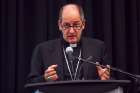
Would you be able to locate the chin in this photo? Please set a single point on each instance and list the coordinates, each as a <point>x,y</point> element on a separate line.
<point>72,41</point>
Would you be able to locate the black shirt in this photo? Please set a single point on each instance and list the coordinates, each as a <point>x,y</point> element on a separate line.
<point>76,52</point>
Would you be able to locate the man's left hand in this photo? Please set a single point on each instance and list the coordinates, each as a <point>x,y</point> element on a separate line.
<point>104,73</point>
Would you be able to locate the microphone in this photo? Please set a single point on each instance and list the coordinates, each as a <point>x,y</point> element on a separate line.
<point>133,76</point>
<point>69,52</point>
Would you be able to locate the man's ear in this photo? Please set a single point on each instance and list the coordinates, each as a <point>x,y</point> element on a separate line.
<point>83,27</point>
<point>59,25</point>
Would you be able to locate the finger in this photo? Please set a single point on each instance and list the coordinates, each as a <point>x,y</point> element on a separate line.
<point>54,77</point>
<point>107,72</point>
<point>104,71</point>
<point>49,70</point>
<point>48,75</point>
<point>105,77</point>
<point>99,68</point>
<point>51,73</point>
<point>101,71</point>
<point>52,66</point>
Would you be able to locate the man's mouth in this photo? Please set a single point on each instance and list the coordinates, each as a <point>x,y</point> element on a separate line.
<point>71,37</point>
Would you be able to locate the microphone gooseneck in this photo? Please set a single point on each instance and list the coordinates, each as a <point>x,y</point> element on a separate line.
<point>136,77</point>
<point>69,52</point>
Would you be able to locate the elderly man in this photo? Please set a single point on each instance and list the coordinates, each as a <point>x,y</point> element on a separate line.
<point>50,61</point>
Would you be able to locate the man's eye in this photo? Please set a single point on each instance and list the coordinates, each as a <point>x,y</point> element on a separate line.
<point>66,25</point>
<point>76,25</point>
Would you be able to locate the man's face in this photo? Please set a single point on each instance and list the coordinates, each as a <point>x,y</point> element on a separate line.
<point>71,25</point>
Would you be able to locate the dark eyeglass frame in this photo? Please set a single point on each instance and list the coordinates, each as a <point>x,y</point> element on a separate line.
<point>75,27</point>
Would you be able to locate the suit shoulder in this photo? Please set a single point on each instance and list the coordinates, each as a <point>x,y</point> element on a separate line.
<point>49,43</point>
<point>93,41</point>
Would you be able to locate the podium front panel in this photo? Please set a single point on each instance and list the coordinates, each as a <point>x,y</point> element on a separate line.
<point>86,86</point>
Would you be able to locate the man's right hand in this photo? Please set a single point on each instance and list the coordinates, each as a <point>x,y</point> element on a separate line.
<point>50,73</point>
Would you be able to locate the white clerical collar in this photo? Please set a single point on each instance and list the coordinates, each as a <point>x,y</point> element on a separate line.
<point>73,45</point>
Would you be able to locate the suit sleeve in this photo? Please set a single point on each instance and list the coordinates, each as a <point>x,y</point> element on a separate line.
<point>106,57</point>
<point>36,69</point>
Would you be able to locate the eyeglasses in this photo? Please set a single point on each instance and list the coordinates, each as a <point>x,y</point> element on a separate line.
<point>67,26</point>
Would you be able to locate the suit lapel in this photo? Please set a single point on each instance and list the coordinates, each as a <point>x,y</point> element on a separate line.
<point>57,57</point>
<point>86,51</point>
<point>89,70</point>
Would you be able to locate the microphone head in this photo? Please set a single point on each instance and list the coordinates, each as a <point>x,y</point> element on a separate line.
<point>69,50</point>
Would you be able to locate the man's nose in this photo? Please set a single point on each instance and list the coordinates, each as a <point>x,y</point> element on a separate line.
<point>71,30</point>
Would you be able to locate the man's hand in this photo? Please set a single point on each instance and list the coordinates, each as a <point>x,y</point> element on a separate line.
<point>50,73</point>
<point>104,73</point>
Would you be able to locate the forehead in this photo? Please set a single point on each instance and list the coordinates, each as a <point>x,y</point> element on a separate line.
<point>71,13</point>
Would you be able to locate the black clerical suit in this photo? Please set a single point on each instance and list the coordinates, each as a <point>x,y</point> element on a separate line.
<point>51,52</point>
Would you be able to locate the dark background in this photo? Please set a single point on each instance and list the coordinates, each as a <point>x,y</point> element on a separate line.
<point>25,23</point>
